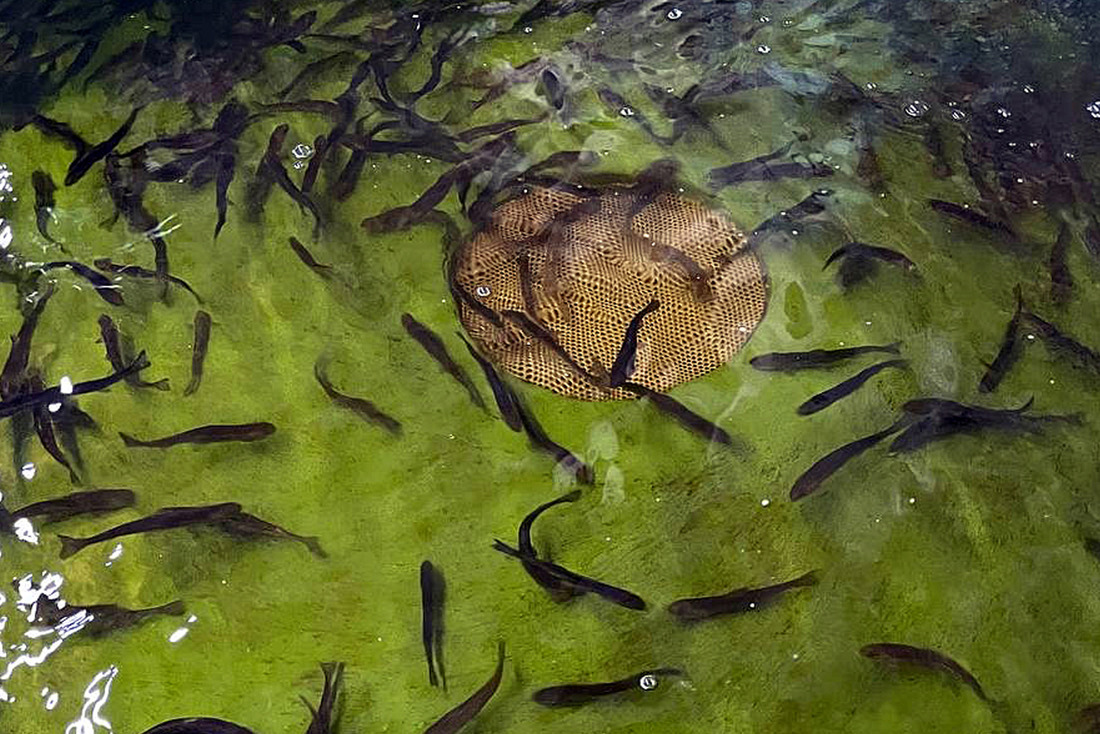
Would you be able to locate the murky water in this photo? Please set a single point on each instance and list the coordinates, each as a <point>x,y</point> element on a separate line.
<point>974,545</point>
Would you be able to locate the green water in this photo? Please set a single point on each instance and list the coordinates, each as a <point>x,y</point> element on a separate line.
<point>972,546</point>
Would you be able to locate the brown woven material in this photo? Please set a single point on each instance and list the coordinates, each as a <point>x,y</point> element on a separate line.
<point>588,264</point>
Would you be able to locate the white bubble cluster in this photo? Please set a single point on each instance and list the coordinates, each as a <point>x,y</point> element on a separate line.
<point>764,49</point>
<point>674,14</point>
<point>916,108</point>
<point>1094,109</point>
<point>627,111</point>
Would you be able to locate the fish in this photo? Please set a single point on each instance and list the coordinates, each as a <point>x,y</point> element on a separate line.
<point>44,204</point>
<point>939,419</point>
<point>858,258</point>
<point>97,620</point>
<point>465,712</point>
<point>526,324</point>
<point>243,524</point>
<point>581,584</point>
<point>259,189</point>
<point>43,427</point>
<point>112,344</point>
<point>272,172</point>
<point>435,347</point>
<point>448,44</point>
<point>623,366</point>
<point>226,161</point>
<point>166,518</point>
<point>214,433</point>
<point>55,395</point>
<point>13,375</point>
<point>198,725</point>
<point>553,88</point>
<point>325,271</point>
<point>576,694</point>
<point>538,438</point>
<point>925,658</point>
<point>763,168</point>
<point>1092,237</point>
<point>817,358</point>
<point>680,412</point>
<point>617,104</point>
<point>934,142</point>
<point>76,504</point>
<point>824,399</point>
<point>136,271</point>
<point>87,158</point>
<point>198,350</point>
<point>432,592</point>
<point>496,128</point>
<point>1008,352</point>
<point>1061,280</point>
<point>970,216</point>
<point>737,601</point>
<point>364,408</point>
<point>782,221</point>
<point>104,287</point>
<point>502,394</point>
<point>1062,343</point>
<point>810,480</point>
<point>558,590</point>
<point>321,719</point>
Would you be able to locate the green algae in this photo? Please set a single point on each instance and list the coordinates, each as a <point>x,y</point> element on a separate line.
<point>971,546</point>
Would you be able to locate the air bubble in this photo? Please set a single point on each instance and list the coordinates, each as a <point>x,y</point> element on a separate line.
<point>1094,109</point>
<point>674,14</point>
<point>647,682</point>
<point>482,291</point>
<point>528,29</point>
<point>1028,89</point>
<point>764,49</point>
<point>958,115</point>
<point>871,86</point>
<point>765,19</point>
<point>627,111</point>
<point>301,150</point>
<point>916,108</point>
<point>1004,112</point>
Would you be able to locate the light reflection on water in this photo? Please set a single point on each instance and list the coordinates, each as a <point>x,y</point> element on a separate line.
<point>95,698</point>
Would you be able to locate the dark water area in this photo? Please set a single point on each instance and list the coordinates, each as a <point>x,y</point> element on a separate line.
<point>793,305</point>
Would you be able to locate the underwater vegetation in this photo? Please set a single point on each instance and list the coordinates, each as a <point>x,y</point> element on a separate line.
<point>787,310</point>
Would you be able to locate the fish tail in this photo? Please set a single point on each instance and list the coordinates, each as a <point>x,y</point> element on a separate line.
<point>314,546</point>
<point>130,441</point>
<point>163,385</point>
<point>893,348</point>
<point>807,579</point>
<point>70,546</point>
<point>140,362</point>
<point>172,608</point>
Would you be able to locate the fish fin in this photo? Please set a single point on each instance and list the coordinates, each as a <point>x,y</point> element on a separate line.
<point>836,255</point>
<point>173,608</point>
<point>807,579</point>
<point>162,385</point>
<point>1026,406</point>
<point>893,347</point>
<point>129,440</point>
<point>70,546</point>
<point>314,546</point>
<point>140,362</point>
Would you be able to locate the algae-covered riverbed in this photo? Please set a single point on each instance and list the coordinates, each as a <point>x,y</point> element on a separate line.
<point>855,118</point>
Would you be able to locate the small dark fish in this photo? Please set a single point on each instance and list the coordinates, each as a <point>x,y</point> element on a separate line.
<point>811,479</point>
<point>166,518</point>
<point>88,158</point>
<point>226,169</point>
<point>737,601</point>
<point>857,258</point>
<point>43,427</point>
<point>524,322</point>
<point>325,271</point>
<point>934,142</point>
<point>1092,237</point>
<point>198,350</point>
<point>13,374</point>
<point>44,203</point>
<point>1062,343</point>
<point>464,713</point>
<point>61,130</point>
<point>259,188</point>
<point>77,504</point>
<point>617,104</point>
<point>198,725</point>
<point>784,220</point>
<point>815,359</point>
<point>689,419</point>
<point>1061,280</point>
<point>941,419</point>
<point>538,438</point>
<point>824,399</point>
<point>970,216</point>
<point>558,590</point>
<point>271,171</point>
<point>623,367</point>
<point>764,168</point>
<point>244,524</point>
<point>321,717</point>
<point>104,286</point>
<point>496,128</point>
<point>553,88</point>
<point>100,619</point>
<point>1092,545</point>
<point>431,619</point>
<point>365,408</point>
<point>112,344</point>
<point>922,657</point>
<point>577,694</point>
<point>581,584</point>
<point>215,433</point>
<point>54,394</point>
<point>1009,351</point>
<point>434,346</point>
<point>502,394</point>
<point>136,271</point>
